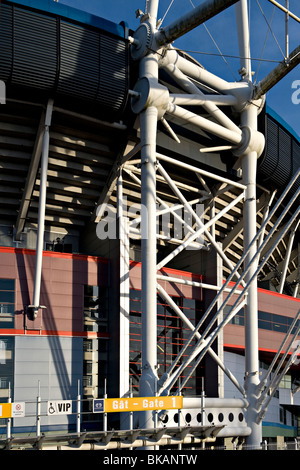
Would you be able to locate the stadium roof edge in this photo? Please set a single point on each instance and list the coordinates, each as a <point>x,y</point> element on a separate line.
<point>282,122</point>
<point>67,12</point>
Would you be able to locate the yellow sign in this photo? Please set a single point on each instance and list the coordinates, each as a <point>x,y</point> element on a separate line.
<point>5,410</point>
<point>142,404</point>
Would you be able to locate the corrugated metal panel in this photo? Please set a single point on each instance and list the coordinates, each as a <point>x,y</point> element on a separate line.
<point>281,158</point>
<point>271,161</point>
<point>79,61</point>
<point>284,170</point>
<point>296,162</point>
<point>113,72</point>
<point>268,163</point>
<point>45,54</point>
<point>35,50</point>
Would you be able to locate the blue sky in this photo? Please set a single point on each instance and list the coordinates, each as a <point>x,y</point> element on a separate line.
<point>219,35</point>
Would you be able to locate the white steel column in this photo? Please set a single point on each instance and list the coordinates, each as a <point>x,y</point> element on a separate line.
<point>41,213</point>
<point>124,292</point>
<point>148,125</point>
<point>249,167</point>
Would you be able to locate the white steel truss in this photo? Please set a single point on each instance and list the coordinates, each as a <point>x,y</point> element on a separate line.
<point>154,103</point>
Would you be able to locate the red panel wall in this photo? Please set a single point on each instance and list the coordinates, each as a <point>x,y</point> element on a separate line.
<point>269,341</point>
<point>62,287</point>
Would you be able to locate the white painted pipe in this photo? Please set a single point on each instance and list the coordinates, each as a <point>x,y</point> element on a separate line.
<point>199,171</point>
<point>210,402</point>
<point>234,137</point>
<point>201,75</point>
<point>199,100</point>
<point>191,20</point>
<point>148,67</point>
<point>209,106</point>
<point>41,211</point>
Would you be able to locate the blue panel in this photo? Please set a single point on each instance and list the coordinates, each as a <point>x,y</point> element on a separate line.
<point>73,14</point>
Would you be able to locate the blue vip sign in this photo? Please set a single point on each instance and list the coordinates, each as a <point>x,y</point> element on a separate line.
<point>98,405</point>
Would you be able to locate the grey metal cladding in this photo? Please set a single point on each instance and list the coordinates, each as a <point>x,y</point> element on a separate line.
<point>113,72</point>
<point>285,167</point>
<point>281,158</point>
<point>296,161</point>
<point>79,61</point>
<point>35,50</point>
<point>47,54</point>
<point>271,158</point>
<point>6,48</point>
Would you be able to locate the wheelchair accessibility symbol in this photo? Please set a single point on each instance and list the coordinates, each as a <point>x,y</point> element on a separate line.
<point>51,409</point>
<point>62,407</point>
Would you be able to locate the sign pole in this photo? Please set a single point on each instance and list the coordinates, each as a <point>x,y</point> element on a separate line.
<point>38,412</point>
<point>78,408</point>
<point>8,431</point>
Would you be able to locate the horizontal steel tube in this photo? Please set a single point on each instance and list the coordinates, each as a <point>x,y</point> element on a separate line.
<point>197,100</point>
<point>208,126</point>
<point>197,402</point>
<point>281,7</point>
<point>189,87</point>
<point>191,20</point>
<point>277,74</point>
<point>142,442</point>
<point>201,75</point>
<point>199,170</point>
<point>190,283</point>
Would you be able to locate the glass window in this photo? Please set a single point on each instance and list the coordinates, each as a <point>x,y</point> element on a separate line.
<point>238,319</point>
<point>95,308</point>
<point>94,349</point>
<point>282,415</point>
<point>7,303</point>
<point>135,300</point>
<point>172,333</point>
<point>280,323</point>
<point>264,320</point>
<point>286,382</point>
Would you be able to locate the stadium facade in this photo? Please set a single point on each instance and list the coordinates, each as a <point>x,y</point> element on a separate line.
<point>71,288</point>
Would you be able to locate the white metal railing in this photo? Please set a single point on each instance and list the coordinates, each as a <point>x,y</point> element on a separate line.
<point>198,423</point>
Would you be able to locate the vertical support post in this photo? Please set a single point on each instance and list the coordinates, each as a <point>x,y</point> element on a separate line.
<point>8,429</point>
<point>124,386</point>
<point>249,168</point>
<point>131,412</point>
<point>148,123</point>
<point>78,409</point>
<point>220,339</point>
<point>38,411</point>
<point>203,421</point>
<point>124,292</point>
<point>287,29</point>
<point>41,213</point>
<point>148,225</point>
<point>105,414</point>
